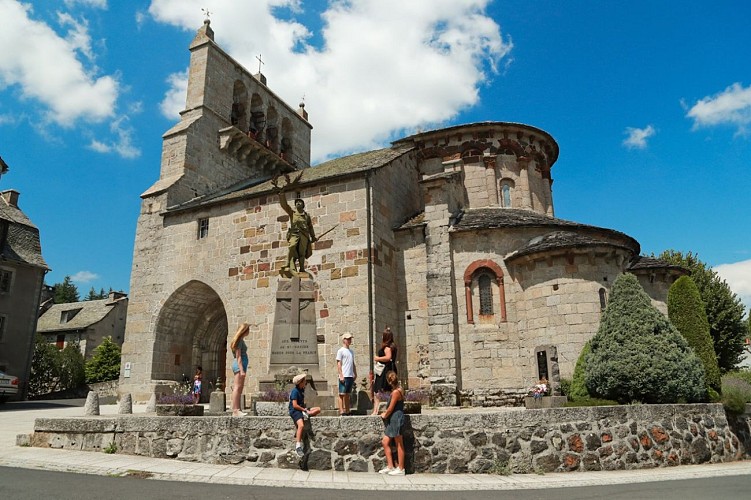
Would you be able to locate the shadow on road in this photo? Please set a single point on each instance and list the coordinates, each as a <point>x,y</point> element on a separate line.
<point>40,405</point>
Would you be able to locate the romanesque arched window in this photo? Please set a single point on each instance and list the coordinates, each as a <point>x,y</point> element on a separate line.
<point>507,188</point>
<point>603,299</point>
<point>484,277</point>
<point>257,118</point>
<point>239,111</point>
<point>485,287</point>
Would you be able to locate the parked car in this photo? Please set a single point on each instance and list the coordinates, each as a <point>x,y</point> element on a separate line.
<point>8,386</point>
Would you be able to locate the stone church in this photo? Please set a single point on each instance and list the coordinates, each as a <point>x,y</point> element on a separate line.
<point>448,236</point>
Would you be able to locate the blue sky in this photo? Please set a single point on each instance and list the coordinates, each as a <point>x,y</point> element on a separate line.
<point>650,103</point>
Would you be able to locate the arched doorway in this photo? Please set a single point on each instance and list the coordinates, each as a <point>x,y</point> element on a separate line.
<point>191,330</point>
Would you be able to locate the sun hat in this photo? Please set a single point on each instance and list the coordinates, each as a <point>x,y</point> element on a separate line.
<point>299,378</point>
<point>347,336</point>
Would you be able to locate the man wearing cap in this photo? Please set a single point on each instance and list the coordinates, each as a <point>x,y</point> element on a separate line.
<point>298,411</point>
<point>345,365</point>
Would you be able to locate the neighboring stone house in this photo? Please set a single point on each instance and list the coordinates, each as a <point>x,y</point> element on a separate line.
<point>448,236</point>
<point>22,271</point>
<point>85,323</point>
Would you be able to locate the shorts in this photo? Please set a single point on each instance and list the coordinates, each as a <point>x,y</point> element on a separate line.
<point>296,415</point>
<point>346,386</point>
<point>236,368</point>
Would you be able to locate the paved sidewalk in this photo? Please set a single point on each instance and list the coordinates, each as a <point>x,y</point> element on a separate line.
<point>17,421</point>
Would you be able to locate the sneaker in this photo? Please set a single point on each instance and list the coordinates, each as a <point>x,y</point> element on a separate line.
<point>299,451</point>
<point>305,415</point>
<point>396,472</point>
<point>239,414</point>
<point>385,470</point>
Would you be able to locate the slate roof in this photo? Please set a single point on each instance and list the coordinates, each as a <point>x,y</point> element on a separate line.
<point>22,243</point>
<point>339,167</point>
<point>565,240</point>
<point>641,262</point>
<point>91,312</point>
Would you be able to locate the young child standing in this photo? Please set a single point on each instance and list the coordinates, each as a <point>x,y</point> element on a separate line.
<point>197,382</point>
<point>393,418</point>
<point>298,411</point>
<point>345,365</point>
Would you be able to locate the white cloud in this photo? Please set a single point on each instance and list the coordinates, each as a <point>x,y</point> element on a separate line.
<point>122,144</point>
<point>732,106</point>
<point>636,138</point>
<point>84,277</point>
<point>384,67</point>
<point>45,67</point>
<point>738,277</point>
<point>97,4</point>
<point>174,99</point>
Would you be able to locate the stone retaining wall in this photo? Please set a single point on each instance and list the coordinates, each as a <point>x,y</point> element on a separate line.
<point>455,441</point>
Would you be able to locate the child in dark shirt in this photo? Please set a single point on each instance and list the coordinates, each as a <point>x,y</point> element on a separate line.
<point>298,411</point>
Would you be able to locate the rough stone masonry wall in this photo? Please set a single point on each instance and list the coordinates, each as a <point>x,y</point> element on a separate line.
<point>546,440</point>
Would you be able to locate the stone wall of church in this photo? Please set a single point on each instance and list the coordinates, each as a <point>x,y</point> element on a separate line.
<point>552,302</point>
<point>520,441</point>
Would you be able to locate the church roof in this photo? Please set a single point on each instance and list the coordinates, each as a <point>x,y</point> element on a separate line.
<point>339,167</point>
<point>22,243</point>
<point>564,233</point>
<point>557,240</point>
<point>641,262</point>
<point>89,313</point>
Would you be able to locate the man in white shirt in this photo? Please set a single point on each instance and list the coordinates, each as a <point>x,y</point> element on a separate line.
<point>345,365</point>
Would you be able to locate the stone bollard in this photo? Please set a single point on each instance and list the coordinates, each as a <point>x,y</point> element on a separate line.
<point>92,404</point>
<point>151,406</point>
<point>218,402</point>
<point>126,405</point>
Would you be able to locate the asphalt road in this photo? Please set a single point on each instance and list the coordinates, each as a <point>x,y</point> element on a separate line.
<point>23,484</point>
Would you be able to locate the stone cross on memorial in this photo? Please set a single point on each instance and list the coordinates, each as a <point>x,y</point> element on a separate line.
<point>294,336</point>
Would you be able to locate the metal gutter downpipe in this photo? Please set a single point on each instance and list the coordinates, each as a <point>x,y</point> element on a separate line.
<point>369,229</point>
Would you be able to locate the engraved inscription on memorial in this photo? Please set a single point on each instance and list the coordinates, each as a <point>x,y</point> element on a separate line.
<point>294,337</point>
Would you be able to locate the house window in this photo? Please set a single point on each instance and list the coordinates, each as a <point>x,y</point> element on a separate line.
<point>3,321</point>
<point>68,315</point>
<point>60,343</point>
<point>6,277</point>
<point>203,228</point>
<point>603,299</point>
<point>486,295</point>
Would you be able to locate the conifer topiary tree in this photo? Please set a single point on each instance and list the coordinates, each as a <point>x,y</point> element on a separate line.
<point>578,383</point>
<point>638,355</point>
<point>686,312</point>
<point>104,365</point>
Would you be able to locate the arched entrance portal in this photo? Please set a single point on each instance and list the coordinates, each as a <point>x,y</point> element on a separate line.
<point>191,330</point>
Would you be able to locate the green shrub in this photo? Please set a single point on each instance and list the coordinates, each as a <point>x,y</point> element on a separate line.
<point>578,383</point>
<point>686,312</point>
<point>104,365</point>
<point>638,355</point>
<point>743,374</point>
<point>736,392</point>
<point>565,386</point>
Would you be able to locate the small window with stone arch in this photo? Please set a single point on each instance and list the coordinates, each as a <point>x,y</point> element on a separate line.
<point>485,284</point>
<point>203,228</point>
<point>603,299</point>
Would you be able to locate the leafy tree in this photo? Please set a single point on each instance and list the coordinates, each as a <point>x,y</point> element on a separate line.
<point>686,312</point>
<point>71,370</point>
<point>53,369</point>
<point>44,367</point>
<point>105,363</point>
<point>65,292</point>
<point>723,307</point>
<point>638,355</point>
<point>93,295</point>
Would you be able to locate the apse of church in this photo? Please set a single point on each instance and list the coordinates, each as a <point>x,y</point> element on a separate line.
<point>447,236</point>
